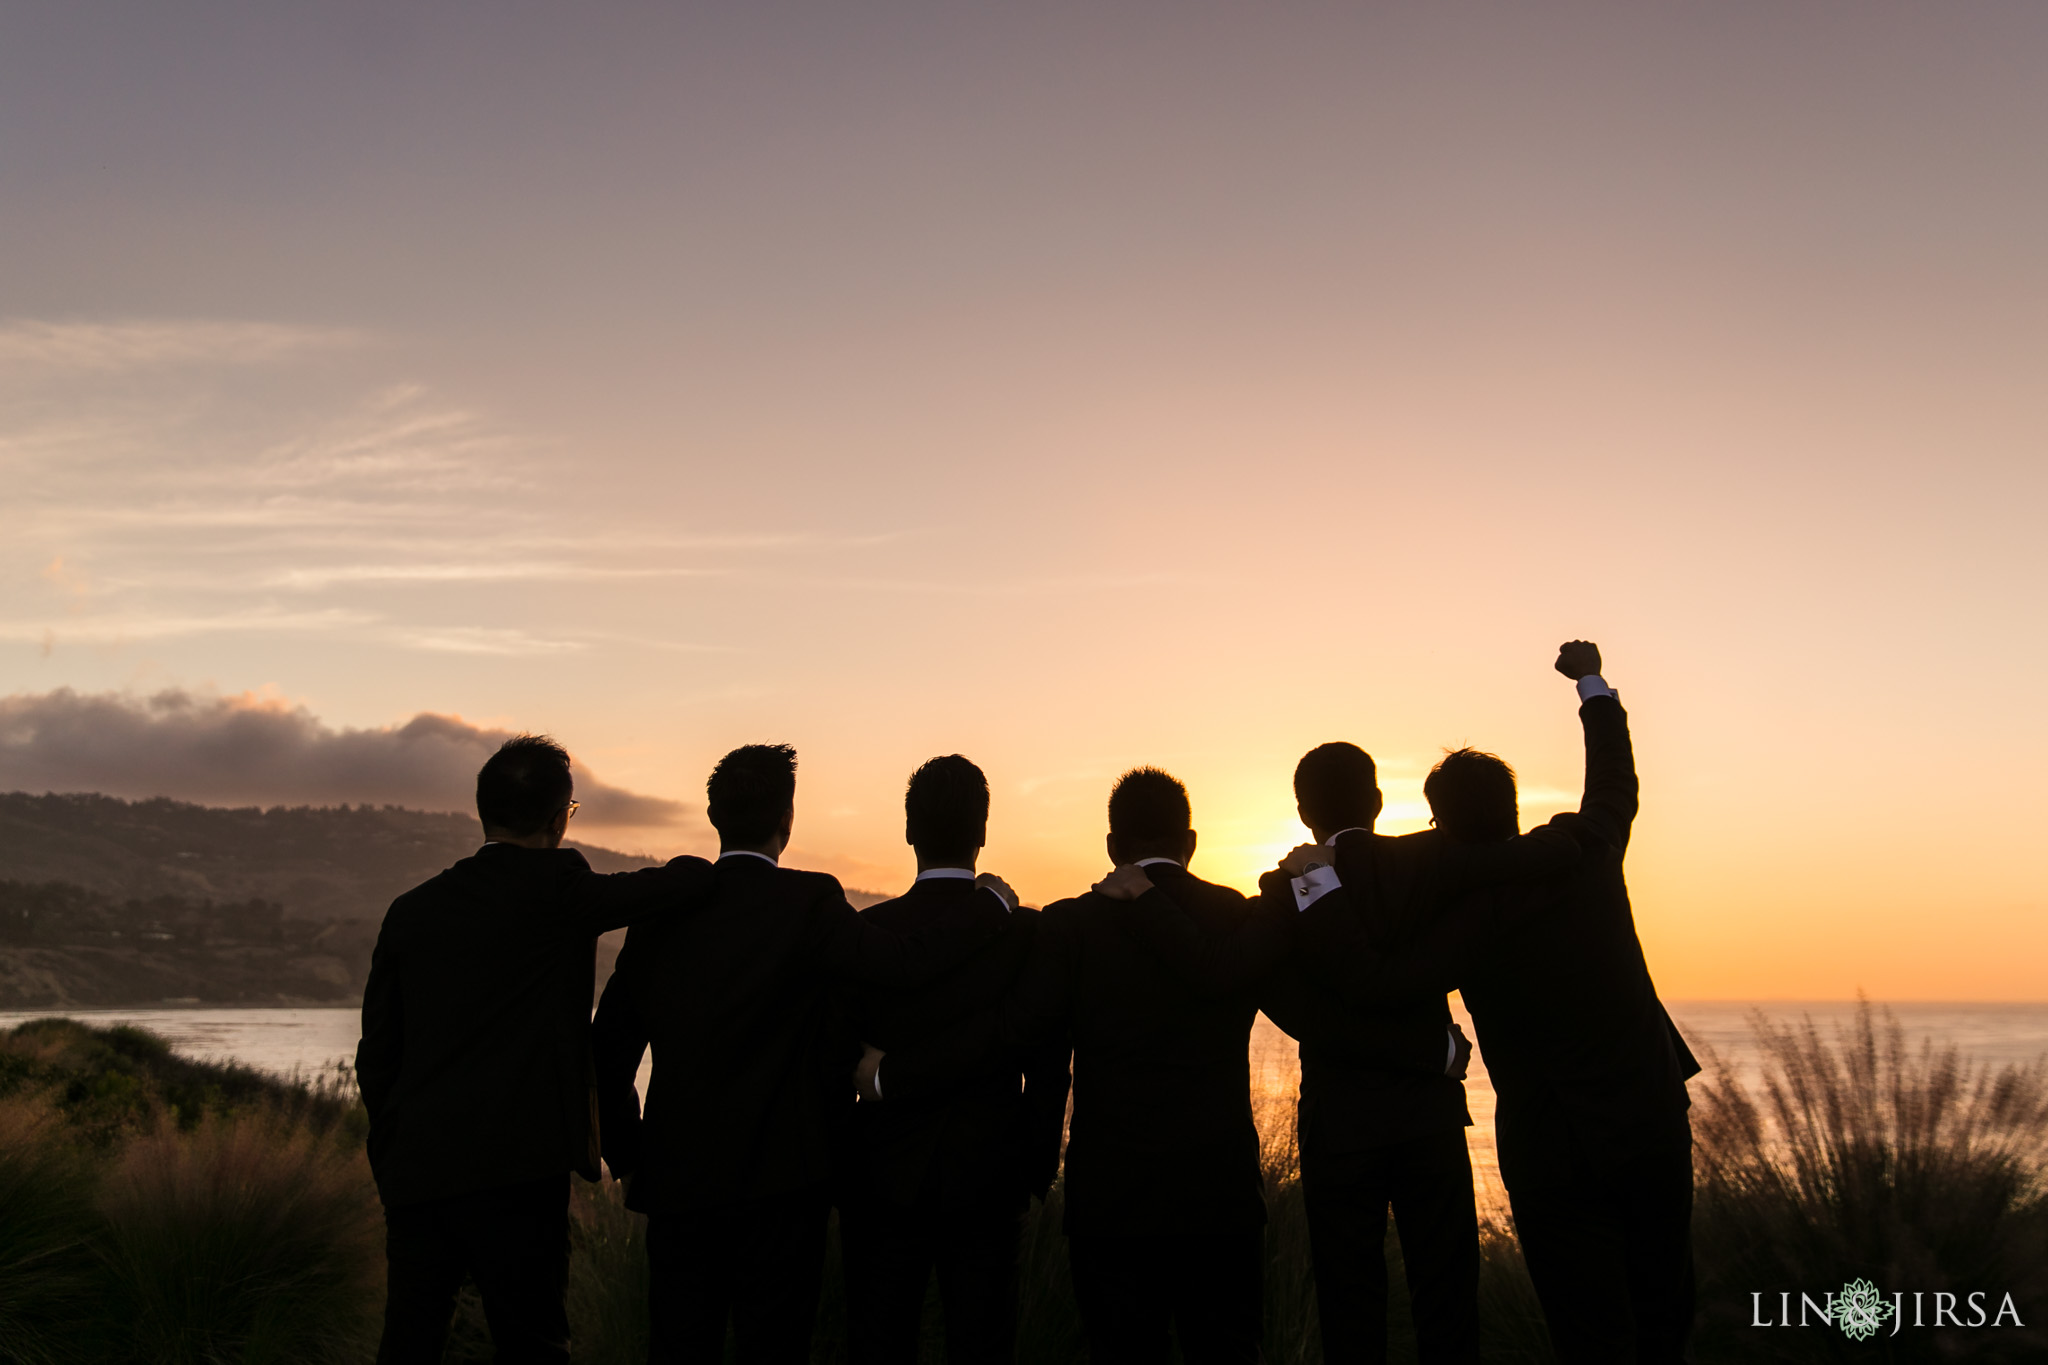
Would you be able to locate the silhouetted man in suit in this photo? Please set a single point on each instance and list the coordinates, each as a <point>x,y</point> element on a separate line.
<point>733,1159</point>
<point>1594,1137</point>
<point>475,1062</point>
<point>943,1182</point>
<point>1164,1192</point>
<point>1373,1137</point>
<point>1382,1114</point>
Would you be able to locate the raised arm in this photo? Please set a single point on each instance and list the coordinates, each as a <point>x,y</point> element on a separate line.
<point>618,1040</point>
<point>1612,792</point>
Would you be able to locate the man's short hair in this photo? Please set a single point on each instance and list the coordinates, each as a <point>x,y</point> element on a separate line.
<point>945,808</point>
<point>1334,785</point>
<point>524,785</point>
<point>750,791</point>
<point>1148,814</point>
<point>1472,796</point>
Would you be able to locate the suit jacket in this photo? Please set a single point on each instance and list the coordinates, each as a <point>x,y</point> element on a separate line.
<point>475,1060</point>
<point>1585,1061</point>
<point>751,1085</point>
<point>1373,1051</point>
<point>994,1137</point>
<point>1350,1101</point>
<point>1161,1140</point>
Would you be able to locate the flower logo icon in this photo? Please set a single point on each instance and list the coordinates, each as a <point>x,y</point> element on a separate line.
<point>1860,1310</point>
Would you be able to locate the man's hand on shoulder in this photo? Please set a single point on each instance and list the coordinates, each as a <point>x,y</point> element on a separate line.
<point>989,881</point>
<point>1126,882</point>
<point>1306,856</point>
<point>1578,658</point>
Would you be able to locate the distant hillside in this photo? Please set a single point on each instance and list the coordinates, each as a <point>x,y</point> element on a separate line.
<point>316,862</point>
<point>107,903</point>
<point>67,947</point>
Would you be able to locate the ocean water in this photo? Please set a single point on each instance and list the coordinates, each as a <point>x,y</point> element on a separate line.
<point>307,1041</point>
<point>281,1041</point>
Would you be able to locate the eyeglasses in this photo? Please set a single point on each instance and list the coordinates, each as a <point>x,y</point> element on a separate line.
<point>572,808</point>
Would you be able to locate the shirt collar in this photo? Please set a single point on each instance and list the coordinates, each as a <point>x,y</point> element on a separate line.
<point>1331,842</point>
<point>1149,862</point>
<point>932,874</point>
<point>748,853</point>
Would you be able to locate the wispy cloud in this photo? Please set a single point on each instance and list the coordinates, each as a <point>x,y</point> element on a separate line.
<point>485,640</point>
<point>397,441</point>
<point>110,346</point>
<point>327,576</point>
<point>120,628</point>
<point>1004,587</point>
<point>184,495</point>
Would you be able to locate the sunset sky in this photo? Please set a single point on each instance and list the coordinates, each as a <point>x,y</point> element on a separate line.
<point>1071,387</point>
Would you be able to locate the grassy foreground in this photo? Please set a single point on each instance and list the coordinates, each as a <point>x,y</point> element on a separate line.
<point>158,1210</point>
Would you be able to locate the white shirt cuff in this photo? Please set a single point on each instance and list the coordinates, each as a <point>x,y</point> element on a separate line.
<point>1312,885</point>
<point>878,1080</point>
<point>1001,899</point>
<point>1450,1059</point>
<point>1593,685</point>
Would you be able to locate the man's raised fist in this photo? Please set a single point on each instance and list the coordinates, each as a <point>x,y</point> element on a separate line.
<point>1577,658</point>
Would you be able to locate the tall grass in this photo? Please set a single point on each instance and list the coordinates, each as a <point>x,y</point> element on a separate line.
<point>157,1210</point>
<point>607,1272</point>
<point>245,1239</point>
<point>48,1279</point>
<point>1858,1156</point>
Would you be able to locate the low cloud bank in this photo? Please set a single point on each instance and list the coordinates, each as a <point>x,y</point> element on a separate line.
<point>249,750</point>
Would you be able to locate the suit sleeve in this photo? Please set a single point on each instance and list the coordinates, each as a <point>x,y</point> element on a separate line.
<point>1030,1023</point>
<point>616,900</point>
<point>855,949</point>
<point>1612,791</point>
<point>1047,1079</point>
<point>1212,962</point>
<point>1681,1051</point>
<point>618,1040</point>
<point>382,1050</point>
<point>1343,948</point>
<point>1405,1035</point>
<point>1292,997</point>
